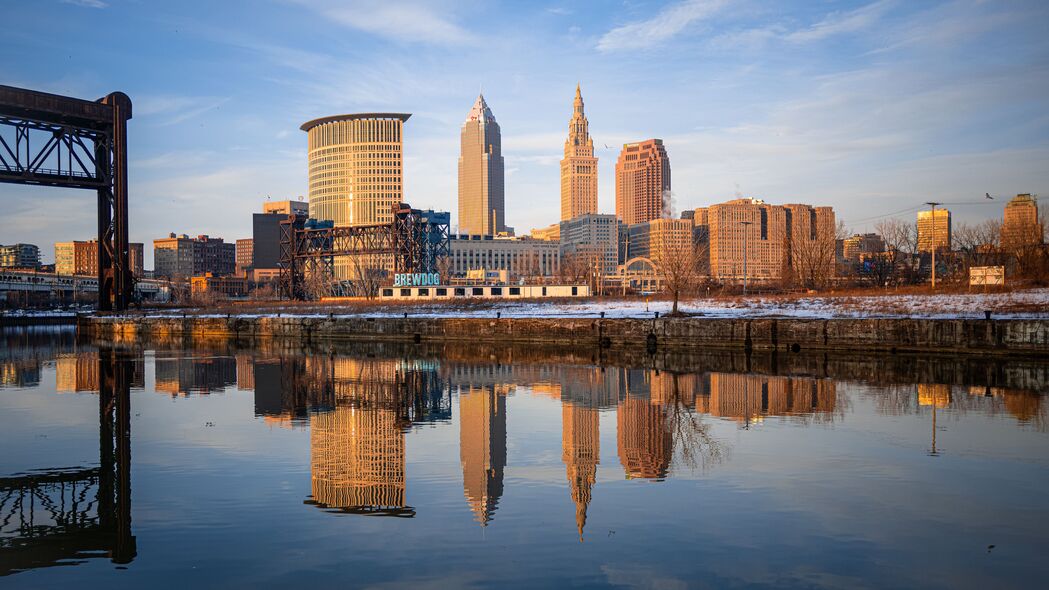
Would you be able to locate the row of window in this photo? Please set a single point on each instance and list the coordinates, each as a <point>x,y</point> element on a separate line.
<point>462,291</point>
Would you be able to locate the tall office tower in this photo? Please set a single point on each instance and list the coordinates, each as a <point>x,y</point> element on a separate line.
<point>356,173</point>
<point>934,230</point>
<point>642,181</point>
<point>1020,225</point>
<point>481,205</point>
<point>482,448</point>
<point>581,452</point>
<point>579,166</point>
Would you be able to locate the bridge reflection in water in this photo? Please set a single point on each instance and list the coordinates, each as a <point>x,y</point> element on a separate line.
<point>361,403</point>
<point>63,516</point>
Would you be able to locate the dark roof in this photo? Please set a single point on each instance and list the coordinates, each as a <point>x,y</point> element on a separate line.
<point>332,119</point>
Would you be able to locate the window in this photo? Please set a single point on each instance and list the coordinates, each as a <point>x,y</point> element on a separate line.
<point>477,291</point>
<point>497,290</point>
<point>406,292</point>
<point>459,291</point>
<point>575,290</point>
<point>387,292</point>
<point>515,290</point>
<point>441,292</point>
<point>423,292</point>
<point>544,291</point>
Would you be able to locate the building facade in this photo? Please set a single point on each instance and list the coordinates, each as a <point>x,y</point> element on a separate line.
<point>858,244</point>
<point>642,182</point>
<point>934,230</point>
<point>593,236</point>
<point>481,192</point>
<point>19,256</point>
<point>287,207</point>
<point>520,257</point>
<point>579,166</point>
<point>183,257</point>
<point>1020,223</point>
<point>752,239</point>
<point>245,254</point>
<point>657,238</point>
<point>551,233</point>
<point>356,175</point>
<point>224,287</point>
<point>76,258</point>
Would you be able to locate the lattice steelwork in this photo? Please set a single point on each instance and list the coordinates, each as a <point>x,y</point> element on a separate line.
<point>52,140</point>
<point>416,239</point>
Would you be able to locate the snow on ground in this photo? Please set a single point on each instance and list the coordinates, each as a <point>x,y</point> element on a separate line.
<point>1020,304</point>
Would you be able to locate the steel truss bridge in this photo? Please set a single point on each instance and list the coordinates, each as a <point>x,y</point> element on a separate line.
<point>415,241</point>
<point>63,516</point>
<point>52,140</point>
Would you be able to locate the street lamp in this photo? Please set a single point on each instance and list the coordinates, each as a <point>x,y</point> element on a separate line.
<point>745,224</point>
<point>932,220</point>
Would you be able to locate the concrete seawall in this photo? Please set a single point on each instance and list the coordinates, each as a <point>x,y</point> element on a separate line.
<point>1028,337</point>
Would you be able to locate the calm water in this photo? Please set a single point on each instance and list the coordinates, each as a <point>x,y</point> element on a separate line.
<point>147,465</point>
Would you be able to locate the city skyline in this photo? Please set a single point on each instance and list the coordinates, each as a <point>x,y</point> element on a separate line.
<point>790,103</point>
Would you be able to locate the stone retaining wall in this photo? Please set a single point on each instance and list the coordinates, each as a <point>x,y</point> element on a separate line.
<point>1012,337</point>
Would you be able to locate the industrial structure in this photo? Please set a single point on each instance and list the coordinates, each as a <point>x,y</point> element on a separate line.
<point>52,140</point>
<point>416,240</point>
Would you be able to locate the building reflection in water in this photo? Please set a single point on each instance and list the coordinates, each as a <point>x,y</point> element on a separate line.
<point>750,398</point>
<point>177,373</point>
<point>581,453</point>
<point>357,444</point>
<point>482,448</point>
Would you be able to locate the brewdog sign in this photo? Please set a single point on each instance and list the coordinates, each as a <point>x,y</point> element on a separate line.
<point>416,279</point>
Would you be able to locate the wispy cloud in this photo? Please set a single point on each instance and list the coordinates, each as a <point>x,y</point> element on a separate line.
<point>171,110</point>
<point>837,23</point>
<point>86,3</point>
<point>411,22</point>
<point>669,22</point>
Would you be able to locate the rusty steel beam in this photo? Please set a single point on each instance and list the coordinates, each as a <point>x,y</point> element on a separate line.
<point>52,140</point>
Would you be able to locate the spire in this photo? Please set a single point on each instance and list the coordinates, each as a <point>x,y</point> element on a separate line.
<point>578,102</point>
<point>480,111</point>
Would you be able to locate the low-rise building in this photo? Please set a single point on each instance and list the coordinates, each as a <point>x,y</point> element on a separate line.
<point>551,233</point>
<point>520,257</point>
<point>183,256</point>
<point>223,286</point>
<point>19,256</point>
<point>857,244</point>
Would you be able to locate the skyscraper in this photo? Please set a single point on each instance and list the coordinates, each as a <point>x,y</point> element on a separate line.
<point>579,166</point>
<point>642,181</point>
<point>355,172</point>
<point>481,204</point>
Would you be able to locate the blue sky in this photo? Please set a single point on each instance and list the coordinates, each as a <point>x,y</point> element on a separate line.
<point>870,107</point>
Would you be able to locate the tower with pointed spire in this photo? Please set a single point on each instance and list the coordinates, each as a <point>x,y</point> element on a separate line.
<point>481,206</point>
<point>579,166</point>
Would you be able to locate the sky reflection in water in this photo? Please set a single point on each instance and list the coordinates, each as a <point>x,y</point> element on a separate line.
<point>389,465</point>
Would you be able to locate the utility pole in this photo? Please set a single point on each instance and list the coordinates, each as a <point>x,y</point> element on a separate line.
<point>745,225</point>
<point>932,205</point>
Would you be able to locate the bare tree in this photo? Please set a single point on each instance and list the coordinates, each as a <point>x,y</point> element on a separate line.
<point>678,262</point>
<point>814,259</point>
<point>901,244</point>
<point>694,445</point>
<point>576,267</point>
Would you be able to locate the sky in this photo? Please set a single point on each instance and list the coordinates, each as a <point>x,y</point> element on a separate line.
<point>872,108</point>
